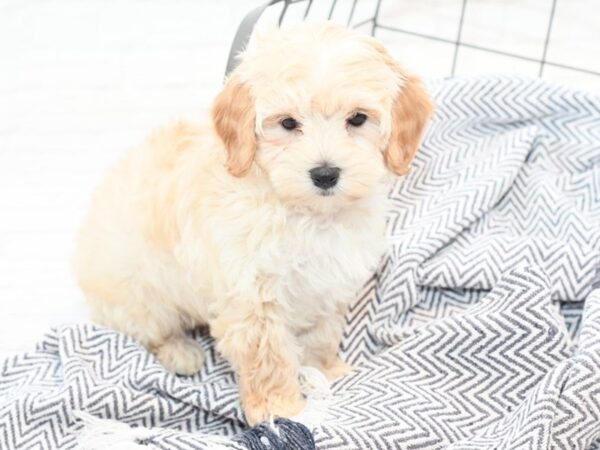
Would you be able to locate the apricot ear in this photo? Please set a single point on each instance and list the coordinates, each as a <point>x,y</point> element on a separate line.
<point>234,120</point>
<point>411,110</point>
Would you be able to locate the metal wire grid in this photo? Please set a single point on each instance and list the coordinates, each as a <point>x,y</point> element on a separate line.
<point>251,18</point>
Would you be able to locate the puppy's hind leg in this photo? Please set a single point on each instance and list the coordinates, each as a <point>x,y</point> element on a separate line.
<point>155,324</point>
<point>180,354</point>
<point>321,346</point>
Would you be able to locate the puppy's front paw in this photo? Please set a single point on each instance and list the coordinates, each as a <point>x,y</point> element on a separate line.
<point>259,409</point>
<point>181,355</point>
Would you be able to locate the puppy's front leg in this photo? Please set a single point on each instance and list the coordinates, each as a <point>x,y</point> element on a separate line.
<point>266,357</point>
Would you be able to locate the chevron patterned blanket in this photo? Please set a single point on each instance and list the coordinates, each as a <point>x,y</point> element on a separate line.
<point>481,329</point>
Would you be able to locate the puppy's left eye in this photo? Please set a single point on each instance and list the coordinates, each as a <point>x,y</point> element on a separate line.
<point>289,123</point>
<point>357,119</point>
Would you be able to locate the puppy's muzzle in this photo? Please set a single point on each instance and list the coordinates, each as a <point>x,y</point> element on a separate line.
<point>324,176</point>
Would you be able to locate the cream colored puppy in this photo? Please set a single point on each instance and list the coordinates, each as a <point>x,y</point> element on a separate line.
<point>264,223</point>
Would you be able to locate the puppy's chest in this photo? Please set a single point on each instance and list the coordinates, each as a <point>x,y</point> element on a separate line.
<point>325,264</point>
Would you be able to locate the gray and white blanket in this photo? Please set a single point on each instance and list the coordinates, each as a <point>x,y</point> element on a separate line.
<point>481,329</point>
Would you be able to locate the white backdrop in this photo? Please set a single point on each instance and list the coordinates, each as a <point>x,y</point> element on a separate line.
<point>82,81</point>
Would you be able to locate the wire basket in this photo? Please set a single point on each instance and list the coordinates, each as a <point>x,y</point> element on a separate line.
<point>366,15</point>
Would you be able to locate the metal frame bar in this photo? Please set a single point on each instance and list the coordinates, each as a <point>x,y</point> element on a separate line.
<point>457,44</point>
<point>245,30</point>
<point>352,9</point>
<point>375,18</point>
<point>310,2</point>
<point>547,40</point>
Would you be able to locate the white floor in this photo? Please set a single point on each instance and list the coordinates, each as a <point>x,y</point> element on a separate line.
<point>81,81</point>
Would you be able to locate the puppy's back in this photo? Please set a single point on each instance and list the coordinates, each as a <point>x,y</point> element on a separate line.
<point>132,223</point>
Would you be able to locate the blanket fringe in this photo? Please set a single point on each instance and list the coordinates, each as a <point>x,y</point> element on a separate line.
<point>106,434</point>
<point>316,387</point>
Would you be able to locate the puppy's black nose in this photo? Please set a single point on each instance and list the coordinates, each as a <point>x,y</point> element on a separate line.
<point>324,177</point>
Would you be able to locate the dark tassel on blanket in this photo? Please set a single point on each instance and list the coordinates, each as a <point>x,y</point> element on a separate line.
<point>282,435</point>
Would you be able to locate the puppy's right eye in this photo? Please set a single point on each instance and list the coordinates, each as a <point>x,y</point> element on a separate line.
<point>357,119</point>
<point>289,124</point>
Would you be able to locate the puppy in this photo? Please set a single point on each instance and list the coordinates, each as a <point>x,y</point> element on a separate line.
<point>264,223</point>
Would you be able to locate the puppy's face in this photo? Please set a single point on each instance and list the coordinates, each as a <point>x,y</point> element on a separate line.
<point>324,112</point>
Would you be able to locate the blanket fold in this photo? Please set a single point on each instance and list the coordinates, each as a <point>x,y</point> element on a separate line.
<point>480,330</point>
